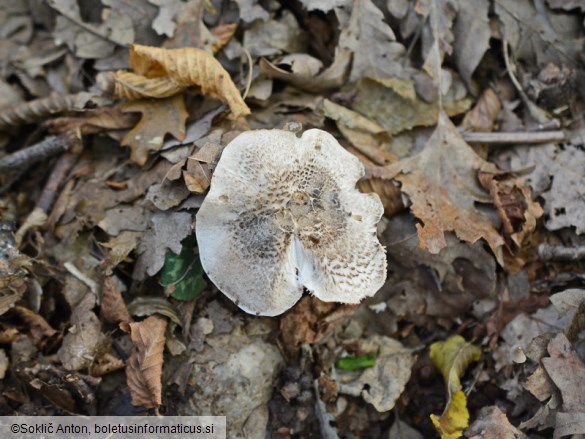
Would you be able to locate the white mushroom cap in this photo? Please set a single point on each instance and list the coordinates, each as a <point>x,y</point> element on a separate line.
<point>284,213</point>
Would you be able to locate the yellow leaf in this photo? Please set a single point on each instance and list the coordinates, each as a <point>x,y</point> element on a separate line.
<point>161,72</point>
<point>159,117</point>
<point>451,357</point>
<point>455,419</point>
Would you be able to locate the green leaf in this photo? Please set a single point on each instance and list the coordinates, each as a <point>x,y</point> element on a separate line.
<point>182,275</point>
<point>355,363</point>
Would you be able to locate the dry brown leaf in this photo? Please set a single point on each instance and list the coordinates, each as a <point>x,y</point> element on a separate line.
<point>484,113</point>
<point>387,191</point>
<point>224,33</point>
<point>144,369</point>
<point>38,326</point>
<point>159,116</point>
<point>309,321</point>
<point>513,201</point>
<point>332,77</point>
<point>83,338</point>
<point>492,423</point>
<point>442,184</point>
<point>567,371</point>
<point>166,71</point>
<point>113,309</point>
<point>102,119</point>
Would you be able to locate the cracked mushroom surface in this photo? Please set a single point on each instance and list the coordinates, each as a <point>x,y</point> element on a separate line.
<point>283,213</point>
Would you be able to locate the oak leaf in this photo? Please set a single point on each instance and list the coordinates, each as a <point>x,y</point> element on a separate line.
<point>442,184</point>
<point>144,369</point>
<point>163,72</point>
<point>159,116</point>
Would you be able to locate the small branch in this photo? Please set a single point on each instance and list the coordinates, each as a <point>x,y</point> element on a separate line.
<point>58,174</point>
<point>547,252</point>
<point>49,147</point>
<point>504,138</point>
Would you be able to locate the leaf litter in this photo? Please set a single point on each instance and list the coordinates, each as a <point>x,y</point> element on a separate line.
<point>145,97</point>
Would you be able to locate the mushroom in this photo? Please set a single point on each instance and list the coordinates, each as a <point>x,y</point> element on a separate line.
<point>282,214</point>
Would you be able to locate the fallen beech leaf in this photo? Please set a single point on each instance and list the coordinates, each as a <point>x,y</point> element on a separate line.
<point>163,72</point>
<point>144,369</point>
<point>451,357</point>
<point>113,309</point>
<point>159,116</point>
<point>332,77</point>
<point>442,184</point>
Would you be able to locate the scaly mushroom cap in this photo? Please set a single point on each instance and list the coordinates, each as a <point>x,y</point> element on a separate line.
<point>284,213</point>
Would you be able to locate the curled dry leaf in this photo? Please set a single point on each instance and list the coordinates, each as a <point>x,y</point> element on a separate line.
<point>332,77</point>
<point>161,73</point>
<point>513,201</point>
<point>144,369</point>
<point>442,184</point>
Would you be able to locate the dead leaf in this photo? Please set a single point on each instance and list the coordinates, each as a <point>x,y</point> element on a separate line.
<point>441,182</point>
<point>163,72</point>
<point>566,369</point>
<point>332,77</point>
<point>168,230</point>
<point>159,117</point>
<point>113,309</point>
<point>492,423</point>
<point>309,321</point>
<point>394,105</point>
<point>92,122</point>
<point>537,33</point>
<point>276,36</point>
<point>83,338</point>
<point>39,327</point>
<point>472,36</point>
<point>516,209</point>
<point>381,384</point>
<point>563,202</point>
<point>376,53</point>
<point>484,113</point>
<point>120,247</point>
<point>89,40</point>
<point>451,357</point>
<point>144,369</point>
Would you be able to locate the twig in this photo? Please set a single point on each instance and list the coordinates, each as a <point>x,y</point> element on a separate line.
<point>504,138</point>
<point>58,174</point>
<point>51,146</point>
<point>548,252</point>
